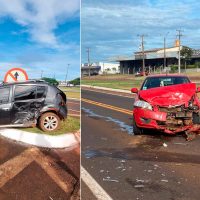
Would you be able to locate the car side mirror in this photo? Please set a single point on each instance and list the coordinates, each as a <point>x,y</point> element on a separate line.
<point>134,90</point>
<point>198,90</point>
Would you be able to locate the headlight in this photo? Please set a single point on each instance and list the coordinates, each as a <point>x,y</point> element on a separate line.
<point>142,104</point>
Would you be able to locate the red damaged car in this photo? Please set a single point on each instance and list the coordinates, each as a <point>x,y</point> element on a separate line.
<point>167,103</point>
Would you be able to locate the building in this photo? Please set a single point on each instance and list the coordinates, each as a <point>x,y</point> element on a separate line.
<point>90,70</point>
<point>100,68</point>
<point>154,59</point>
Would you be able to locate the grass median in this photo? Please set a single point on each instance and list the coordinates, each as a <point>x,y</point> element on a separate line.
<point>71,92</point>
<point>71,124</point>
<point>124,82</point>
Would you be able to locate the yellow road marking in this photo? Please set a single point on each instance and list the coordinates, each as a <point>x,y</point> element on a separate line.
<point>122,110</point>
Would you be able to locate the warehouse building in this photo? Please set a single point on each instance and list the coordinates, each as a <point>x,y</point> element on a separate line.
<point>99,68</point>
<point>154,59</point>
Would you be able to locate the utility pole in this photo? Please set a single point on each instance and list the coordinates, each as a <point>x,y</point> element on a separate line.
<point>88,57</point>
<point>164,52</point>
<point>179,50</point>
<point>143,56</point>
<point>42,73</point>
<point>66,74</point>
<point>165,63</point>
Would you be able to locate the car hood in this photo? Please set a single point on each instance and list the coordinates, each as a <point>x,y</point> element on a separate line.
<point>169,95</point>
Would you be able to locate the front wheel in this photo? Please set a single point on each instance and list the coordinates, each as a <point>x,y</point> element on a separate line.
<point>136,129</point>
<point>49,122</point>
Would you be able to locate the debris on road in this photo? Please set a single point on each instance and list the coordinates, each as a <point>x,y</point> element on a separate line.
<point>180,143</point>
<point>165,145</point>
<point>110,180</point>
<point>164,180</point>
<point>139,186</point>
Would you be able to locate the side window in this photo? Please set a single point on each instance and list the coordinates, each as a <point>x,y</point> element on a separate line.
<point>24,92</point>
<point>5,93</point>
<point>40,91</point>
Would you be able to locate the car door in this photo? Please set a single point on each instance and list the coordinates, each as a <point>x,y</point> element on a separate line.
<point>5,105</point>
<point>23,98</point>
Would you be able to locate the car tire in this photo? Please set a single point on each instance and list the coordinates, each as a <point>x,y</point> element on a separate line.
<point>136,129</point>
<point>49,122</point>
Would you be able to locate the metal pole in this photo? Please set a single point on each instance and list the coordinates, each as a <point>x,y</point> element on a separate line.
<point>88,55</point>
<point>179,51</point>
<point>66,74</point>
<point>164,52</point>
<point>42,73</point>
<point>143,59</point>
<point>143,54</point>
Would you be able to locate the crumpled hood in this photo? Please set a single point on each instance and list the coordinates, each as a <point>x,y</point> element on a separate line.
<point>169,95</point>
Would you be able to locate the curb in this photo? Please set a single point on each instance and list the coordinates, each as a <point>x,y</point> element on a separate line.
<point>109,89</point>
<point>68,140</point>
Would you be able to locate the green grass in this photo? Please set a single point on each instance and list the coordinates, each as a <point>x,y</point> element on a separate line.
<point>75,95</point>
<point>71,124</point>
<point>115,82</point>
<point>71,92</point>
<point>125,82</point>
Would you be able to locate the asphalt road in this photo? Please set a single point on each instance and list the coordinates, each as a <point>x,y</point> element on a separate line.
<point>27,172</point>
<point>73,107</point>
<point>124,166</point>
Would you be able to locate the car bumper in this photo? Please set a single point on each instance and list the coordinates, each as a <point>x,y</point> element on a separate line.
<point>149,119</point>
<point>63,112</point>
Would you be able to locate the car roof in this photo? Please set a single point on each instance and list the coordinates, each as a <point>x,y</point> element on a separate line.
<point>35,82</point>
<point>166,75</point>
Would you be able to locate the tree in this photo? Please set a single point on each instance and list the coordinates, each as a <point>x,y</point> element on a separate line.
<point>52,81</point>
<point>76,81</point>
<point>186,54</point>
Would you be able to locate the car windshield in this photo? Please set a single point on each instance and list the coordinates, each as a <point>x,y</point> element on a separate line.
<point>153,82</point>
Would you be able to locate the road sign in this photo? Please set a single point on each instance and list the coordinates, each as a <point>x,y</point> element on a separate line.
<point>15,74</point>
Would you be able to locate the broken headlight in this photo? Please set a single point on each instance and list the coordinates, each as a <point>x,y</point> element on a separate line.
<point>142,104</point>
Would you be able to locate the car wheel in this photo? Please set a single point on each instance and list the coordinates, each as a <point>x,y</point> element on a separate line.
<point>136,129</point>
<point>49,122</point>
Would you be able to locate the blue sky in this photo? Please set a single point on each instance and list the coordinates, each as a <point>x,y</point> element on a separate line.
<point>40,35</point>
<point>111,28</point>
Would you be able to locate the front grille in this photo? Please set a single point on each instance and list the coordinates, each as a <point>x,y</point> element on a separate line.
<point>170,109</point>
<point>176,116</point>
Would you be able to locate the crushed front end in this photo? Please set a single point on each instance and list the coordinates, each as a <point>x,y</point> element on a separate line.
<point>170,109</point>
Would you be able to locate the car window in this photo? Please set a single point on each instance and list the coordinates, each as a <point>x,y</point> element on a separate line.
<point>41,91</point>
<point>5,93</point>
<point>24,92</point>
<point>154,82</point>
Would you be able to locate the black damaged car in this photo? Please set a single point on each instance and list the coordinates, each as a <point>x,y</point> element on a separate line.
<point>31,103</point>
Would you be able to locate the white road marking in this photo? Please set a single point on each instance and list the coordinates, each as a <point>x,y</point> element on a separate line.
<point>94,187</point>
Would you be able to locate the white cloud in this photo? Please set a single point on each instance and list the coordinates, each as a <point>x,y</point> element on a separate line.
<point>40,17</point>
<point>111,28</point>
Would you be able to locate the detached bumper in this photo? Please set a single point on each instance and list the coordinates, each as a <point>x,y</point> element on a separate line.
<point>157,120</point>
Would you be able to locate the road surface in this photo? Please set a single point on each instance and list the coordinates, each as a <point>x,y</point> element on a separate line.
<point>116,164</point>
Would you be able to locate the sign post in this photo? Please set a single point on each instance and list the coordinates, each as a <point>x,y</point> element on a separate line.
<point>15,74</point>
